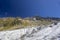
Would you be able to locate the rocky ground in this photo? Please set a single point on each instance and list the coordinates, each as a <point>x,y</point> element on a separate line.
<point>50,32</point>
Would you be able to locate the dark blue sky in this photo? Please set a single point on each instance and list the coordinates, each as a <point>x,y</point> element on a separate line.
<point>26,8</point>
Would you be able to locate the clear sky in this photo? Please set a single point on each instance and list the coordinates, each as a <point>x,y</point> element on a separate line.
<point>26,8</point>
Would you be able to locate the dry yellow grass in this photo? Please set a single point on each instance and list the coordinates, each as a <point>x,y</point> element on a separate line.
<point>17,23</point>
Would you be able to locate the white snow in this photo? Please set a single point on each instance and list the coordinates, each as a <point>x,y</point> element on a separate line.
<point>34,33</point>
<point>48,33</point>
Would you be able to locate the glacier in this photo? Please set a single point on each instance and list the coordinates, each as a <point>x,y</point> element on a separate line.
<point>33,33</point>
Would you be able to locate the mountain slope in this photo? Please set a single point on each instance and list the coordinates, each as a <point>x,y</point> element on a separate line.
<point>49,33</point>
<point>33,33</point>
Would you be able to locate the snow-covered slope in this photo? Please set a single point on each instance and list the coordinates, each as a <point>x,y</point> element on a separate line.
<point>12,35</point>
<point>47,33</point>
<point>34,33</point>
